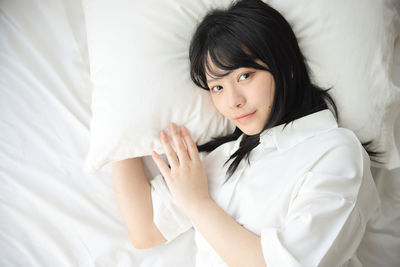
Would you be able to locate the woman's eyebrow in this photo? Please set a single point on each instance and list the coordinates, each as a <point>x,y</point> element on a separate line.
<point>213,80</point>
<point>219,76</point>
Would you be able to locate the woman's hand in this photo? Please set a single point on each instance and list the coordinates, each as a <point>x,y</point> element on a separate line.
<point>186,179</point>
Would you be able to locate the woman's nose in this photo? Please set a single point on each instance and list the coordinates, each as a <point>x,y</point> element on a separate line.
<point>235,97</point>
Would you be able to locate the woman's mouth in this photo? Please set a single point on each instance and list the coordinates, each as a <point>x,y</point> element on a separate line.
<point>245,117</point>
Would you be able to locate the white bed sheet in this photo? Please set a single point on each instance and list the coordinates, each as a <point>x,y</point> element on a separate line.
<point>51,212</point>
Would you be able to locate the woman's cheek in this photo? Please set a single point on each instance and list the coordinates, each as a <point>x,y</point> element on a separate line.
<point>218,106</point>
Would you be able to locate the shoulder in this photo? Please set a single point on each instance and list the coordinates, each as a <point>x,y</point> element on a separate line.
<point>340,152</point>
<point>337,138</point>
<point>338,164</point>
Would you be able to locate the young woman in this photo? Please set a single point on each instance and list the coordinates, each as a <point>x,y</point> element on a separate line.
<point>287,188</point>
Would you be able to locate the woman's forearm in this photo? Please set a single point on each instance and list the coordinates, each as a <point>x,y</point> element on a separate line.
<point>234,244</point>
<point>132,191</point>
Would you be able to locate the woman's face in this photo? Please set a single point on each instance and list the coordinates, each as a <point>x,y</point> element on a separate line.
<point>244,97</point>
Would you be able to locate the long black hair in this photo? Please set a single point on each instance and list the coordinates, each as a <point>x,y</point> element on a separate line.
<point>236,37</point>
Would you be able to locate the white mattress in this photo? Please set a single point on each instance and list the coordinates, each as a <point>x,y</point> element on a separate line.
<point>51,212</point>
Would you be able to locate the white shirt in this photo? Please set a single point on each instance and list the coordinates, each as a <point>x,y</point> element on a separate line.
<point>308,193</point>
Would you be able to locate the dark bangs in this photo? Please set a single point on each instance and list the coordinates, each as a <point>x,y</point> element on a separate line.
<point>227,50</point>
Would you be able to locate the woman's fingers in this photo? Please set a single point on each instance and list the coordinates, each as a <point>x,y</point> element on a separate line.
<point>162,166</point>
<point>179,144</point>
<point>169,151</point>
<point>182,153</point>
<point>191,145</point>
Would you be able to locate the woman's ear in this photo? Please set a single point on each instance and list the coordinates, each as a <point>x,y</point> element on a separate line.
<point>291,72</point>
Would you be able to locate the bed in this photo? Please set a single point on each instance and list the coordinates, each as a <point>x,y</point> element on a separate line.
<point>52,213</point>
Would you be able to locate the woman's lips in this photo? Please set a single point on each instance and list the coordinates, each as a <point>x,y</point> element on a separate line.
<point>245,117</point>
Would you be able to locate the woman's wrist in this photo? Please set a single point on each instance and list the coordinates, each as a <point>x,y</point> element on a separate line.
<point>195,209</point>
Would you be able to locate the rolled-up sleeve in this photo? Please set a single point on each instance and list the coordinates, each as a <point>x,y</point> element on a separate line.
<point>167,215</point>
<point>327,214</point>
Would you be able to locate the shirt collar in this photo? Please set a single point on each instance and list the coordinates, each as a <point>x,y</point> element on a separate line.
<point>298,130</point>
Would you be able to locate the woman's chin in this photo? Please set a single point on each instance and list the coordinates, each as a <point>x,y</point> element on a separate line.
<point>249,130</point>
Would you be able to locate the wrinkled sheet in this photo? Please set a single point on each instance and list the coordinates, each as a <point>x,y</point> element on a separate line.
<point>51,212</point>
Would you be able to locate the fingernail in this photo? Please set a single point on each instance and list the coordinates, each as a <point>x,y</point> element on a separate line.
<point>163,135</point>
<point>184,130</point>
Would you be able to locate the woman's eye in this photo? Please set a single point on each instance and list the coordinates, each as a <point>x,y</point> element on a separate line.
<point>216,88</point>
<point>244,76</point>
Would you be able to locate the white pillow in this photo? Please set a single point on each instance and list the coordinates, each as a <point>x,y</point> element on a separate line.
<point>140,70</point>
<point>349,45</point>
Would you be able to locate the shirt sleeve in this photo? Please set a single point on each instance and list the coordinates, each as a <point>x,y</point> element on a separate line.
<point>327,214</point>
<point>167,215</point>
